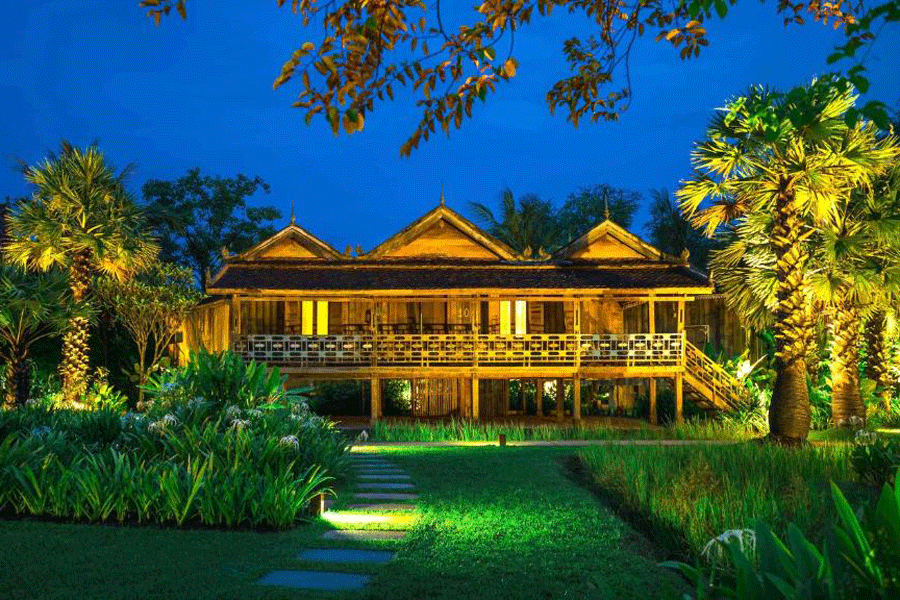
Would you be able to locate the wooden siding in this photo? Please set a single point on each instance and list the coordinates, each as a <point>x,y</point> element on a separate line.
<point>606,247</point>
<point>442,239</point>
<point>288,248</point>
<point>207,327</point>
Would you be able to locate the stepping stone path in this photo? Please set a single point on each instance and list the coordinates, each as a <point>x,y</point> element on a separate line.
<point>384,497</point>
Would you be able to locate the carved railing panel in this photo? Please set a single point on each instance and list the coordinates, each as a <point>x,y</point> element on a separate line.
<point>466,349</point>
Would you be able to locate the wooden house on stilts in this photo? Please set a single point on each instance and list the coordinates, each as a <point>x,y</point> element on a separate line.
<point>460,314</point>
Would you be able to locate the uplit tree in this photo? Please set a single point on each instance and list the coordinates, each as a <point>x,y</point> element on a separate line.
<point>33,306</point>
<point>856,273</point>
<point>795,157</point>
<point>80,220</point>
<point>152,306</point>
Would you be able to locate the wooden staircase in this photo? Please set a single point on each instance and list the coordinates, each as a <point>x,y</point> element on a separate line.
<point>709,386</point>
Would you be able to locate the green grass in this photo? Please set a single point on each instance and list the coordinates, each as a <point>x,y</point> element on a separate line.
<point>688,495</point>
<point>387,430</point>
<point>509,523</point>
<point>495,523</point>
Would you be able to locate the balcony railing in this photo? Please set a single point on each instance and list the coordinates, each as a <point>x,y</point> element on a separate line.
<point>465,349</point>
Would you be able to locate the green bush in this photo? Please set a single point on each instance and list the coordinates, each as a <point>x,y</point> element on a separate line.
<point>221,379</point>
<point>197,464</point>
<point>875,460</point>
<point>858,559</point>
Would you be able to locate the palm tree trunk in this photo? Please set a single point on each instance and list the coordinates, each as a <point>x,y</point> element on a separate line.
<point>878,355</point>
<point>789,413</point>
<point>846,400</point>
<point>74,366</point>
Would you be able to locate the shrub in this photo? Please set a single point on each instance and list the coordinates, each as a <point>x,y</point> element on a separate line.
<point>221,379</point>
<point>875,460</point>
<point>251,467</point>
<point>858,559</point>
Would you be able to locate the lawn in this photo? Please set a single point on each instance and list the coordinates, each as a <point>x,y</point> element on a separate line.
<point>495,523</point>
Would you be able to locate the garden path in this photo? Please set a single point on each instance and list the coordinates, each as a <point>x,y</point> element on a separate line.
<point>335,565</point>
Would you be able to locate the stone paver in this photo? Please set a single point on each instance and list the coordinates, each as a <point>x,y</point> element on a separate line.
<point>316,580</point>
<point>363,535</point>
<point>385,496</point>
<point>383,506</point>
<point>347,555</point>
<point>381,476</point>
<point>385,486</point>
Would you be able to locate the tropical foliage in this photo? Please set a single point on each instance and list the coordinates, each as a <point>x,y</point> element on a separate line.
<point>80,220</point>
<point>860,558</point>
<point>242,452</point>
<point>528,226</point>
<point>32,307</point>
<point>152,306</point>
<point>800,166</point>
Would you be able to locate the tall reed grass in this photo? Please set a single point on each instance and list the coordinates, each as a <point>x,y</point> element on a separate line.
<point>689,495</point>
<point>463,430</point>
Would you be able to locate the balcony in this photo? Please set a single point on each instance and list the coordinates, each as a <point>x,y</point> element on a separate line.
<point>651,351</point>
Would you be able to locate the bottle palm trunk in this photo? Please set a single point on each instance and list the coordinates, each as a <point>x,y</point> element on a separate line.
<point>846,400</point>
<point>74,366</point>
<point>878,360</point>
<point>789,413</point>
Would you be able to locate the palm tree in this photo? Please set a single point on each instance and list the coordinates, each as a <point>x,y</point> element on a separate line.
<point>80,220</point>
<point>883,320</point>
<point>857,273</point>
<point>526,226</point>
<point>33,306</point>
<point>795,157</point>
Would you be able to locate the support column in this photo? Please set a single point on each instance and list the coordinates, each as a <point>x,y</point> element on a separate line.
<point>576,398</point>
<point>651,327</point>
<point>475,398</point>
<point>560,399</point>
<point>522,396</point>
<point>539,397</point>
<point>376,398</point>
<point>679,398</point>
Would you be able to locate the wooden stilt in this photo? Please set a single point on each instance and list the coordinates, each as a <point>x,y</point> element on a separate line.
<point>539,397</point>
<point>576,398</point>
<point>679,398</point>
<point>376,398</point>
<point>522,396</point>
<point>560,399</point>
<point>475,398</point>
<point>652,394</point>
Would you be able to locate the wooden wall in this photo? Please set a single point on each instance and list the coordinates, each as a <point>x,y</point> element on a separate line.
<point>708,321</point>
<point>207,327</point>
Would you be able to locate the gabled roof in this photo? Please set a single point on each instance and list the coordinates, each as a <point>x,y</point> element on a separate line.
<point>608,240</point>
<point>279,246</point>
<point>443,222</point>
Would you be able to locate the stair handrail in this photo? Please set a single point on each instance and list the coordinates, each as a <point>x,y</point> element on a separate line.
<point>722,383</point>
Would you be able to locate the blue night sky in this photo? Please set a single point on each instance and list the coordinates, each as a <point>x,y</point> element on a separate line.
<point>199,93</point>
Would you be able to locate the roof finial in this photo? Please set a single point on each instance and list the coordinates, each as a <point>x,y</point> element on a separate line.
<point>443,202</point>
<point>606,204</point>
<point>293,215</point>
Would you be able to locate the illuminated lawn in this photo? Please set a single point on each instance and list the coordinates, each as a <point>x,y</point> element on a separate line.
<point>496,523</point>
